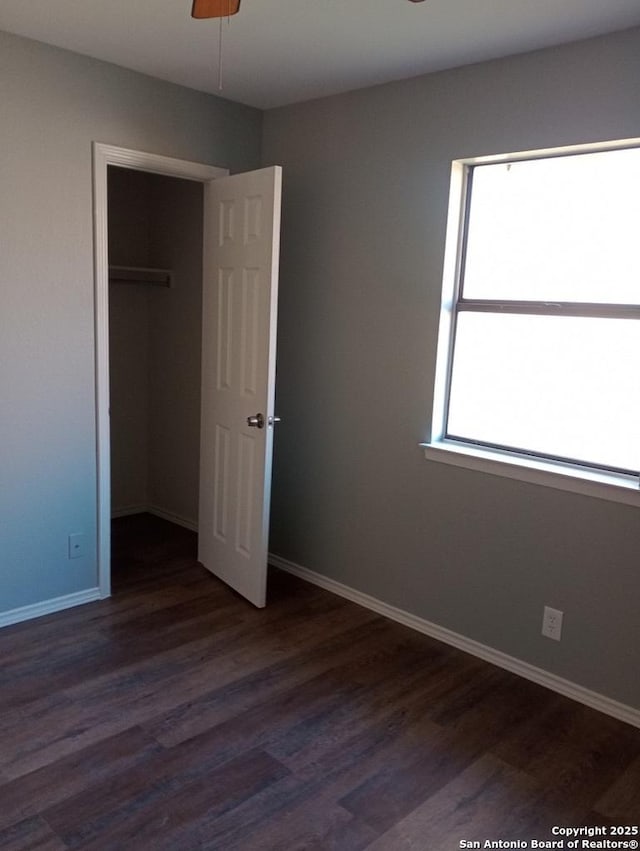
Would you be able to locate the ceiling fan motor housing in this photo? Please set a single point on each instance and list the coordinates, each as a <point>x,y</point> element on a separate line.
<point>214,8</point>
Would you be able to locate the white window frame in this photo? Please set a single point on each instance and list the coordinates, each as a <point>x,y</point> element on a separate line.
<point>567,476</point>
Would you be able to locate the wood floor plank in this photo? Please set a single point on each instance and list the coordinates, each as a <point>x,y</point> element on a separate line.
<point>232,637</point>
<point>479,712</point>
<point>58,660</point>
<point>319,784</point>
<point>240,694</point>
<point>193,583</point>
<point>320,834</point>
<point>156,817</point>
<point>35,674</point>
<point>584,751</point>
<point>488,800</point>
<point>79,773</point>
<point>315,824</point>
<point>249,824</point>
<point>175,716</point>
<point>100,708</point>
<point>621,801</point>
<point>396,699</point>
<point>30,835</point>
<point>262,724</point>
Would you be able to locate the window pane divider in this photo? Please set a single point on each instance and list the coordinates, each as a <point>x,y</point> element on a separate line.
<point>551,308</point>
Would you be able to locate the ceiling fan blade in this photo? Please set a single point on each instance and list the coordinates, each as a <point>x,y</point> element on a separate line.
<point>214,8</point>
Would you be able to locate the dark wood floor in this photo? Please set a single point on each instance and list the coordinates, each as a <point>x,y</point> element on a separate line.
<point>176,716</point>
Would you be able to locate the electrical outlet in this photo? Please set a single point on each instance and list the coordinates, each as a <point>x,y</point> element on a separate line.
<point>77,545</point>
<point>552,623</point>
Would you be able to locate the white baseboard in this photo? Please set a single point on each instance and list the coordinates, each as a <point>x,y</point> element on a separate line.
<point>128,510</point>
<point>496,657</point>
<point>47,607</point>
<point>172,518</point>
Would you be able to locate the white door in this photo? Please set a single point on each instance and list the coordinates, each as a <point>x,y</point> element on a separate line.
<point>241,253</point>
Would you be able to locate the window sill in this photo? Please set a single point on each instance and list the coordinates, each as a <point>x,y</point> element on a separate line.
<point>615,488</point>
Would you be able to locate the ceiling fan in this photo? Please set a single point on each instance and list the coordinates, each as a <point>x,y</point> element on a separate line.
<point>214,8</point>
<point>223,8</point>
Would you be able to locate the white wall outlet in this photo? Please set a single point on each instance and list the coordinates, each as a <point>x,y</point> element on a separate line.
<point>552,623</point>
<point>77,545</point>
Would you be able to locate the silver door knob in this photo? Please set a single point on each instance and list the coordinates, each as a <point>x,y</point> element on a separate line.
<point>273,420</point>
<point>256,422</point>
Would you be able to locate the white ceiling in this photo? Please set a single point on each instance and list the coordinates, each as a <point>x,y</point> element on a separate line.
<point>282,51</point>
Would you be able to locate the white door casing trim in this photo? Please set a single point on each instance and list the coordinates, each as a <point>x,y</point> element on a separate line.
<point>103,156</point>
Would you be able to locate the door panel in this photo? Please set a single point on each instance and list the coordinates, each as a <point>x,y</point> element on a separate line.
<point>242,234</point>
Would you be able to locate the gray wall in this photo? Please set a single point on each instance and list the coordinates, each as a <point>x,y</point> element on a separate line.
<point>366,178</point>
<point>155,343</point>
<point>53,105</point>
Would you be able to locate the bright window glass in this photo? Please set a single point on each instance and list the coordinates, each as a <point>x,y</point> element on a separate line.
<point>564,387</point>
<point>546,346</point>
<point>556,229</point>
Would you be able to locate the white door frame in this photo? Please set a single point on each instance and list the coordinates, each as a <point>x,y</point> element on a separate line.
<point>104,156</point>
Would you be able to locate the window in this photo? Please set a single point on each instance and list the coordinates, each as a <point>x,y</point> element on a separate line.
<point>539,348</point>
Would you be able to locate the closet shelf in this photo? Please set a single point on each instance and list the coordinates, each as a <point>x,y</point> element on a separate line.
<point>140,275</point>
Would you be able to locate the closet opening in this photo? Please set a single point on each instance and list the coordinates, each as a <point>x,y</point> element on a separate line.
<point>155,255</point>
